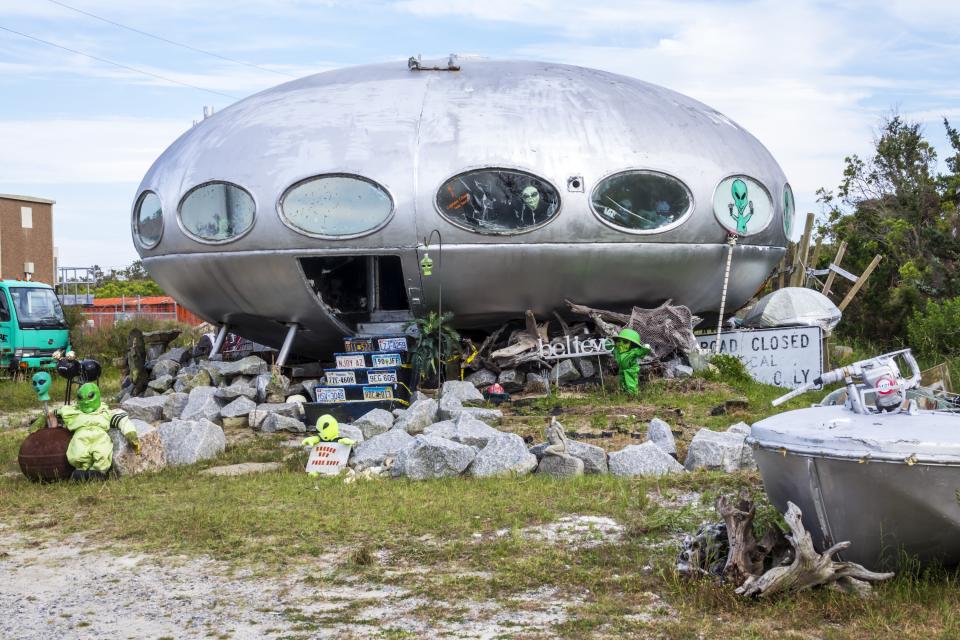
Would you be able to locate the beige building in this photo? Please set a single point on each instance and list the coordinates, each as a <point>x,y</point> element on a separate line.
<point>26,239</point>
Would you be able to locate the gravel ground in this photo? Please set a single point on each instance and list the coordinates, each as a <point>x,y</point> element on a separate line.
<point>77,589</point>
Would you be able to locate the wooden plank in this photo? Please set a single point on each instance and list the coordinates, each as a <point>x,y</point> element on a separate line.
<point>862,280</point>
<point>836,261</point>
<point>798,276</point>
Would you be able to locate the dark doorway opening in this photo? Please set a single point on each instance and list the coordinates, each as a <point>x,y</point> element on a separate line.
<point>358,288</point>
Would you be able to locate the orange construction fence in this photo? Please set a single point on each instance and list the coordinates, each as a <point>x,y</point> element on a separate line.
<point>106,311</point>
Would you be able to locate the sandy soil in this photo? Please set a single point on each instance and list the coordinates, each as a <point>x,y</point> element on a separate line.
<point>78,589</point>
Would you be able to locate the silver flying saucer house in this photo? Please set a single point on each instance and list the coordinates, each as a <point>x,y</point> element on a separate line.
<point>304,211</point>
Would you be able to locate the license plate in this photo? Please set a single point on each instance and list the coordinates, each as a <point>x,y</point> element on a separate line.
<point>392,344</point>
<point>358,345</point>
<point>351,362</point>
<point>341,377</point>
<point>335,394</point>
<point>382,377</point>
<point>386,359</point>
<point>377,393</point>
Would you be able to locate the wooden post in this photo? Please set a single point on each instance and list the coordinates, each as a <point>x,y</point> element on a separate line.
<point>799,275</point>
<point>815,258</point>
<point>860,282</point>
<point>832,274</point>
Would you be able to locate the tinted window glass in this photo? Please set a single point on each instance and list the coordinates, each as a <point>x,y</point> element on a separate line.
<point>37,308</point>
<point>641,201</point>
<point>742,205</point>
<point>149,219</point>
<point>336,206</point>
<point>789,208</point>
<point>217,212</point>
<point>498,201</point>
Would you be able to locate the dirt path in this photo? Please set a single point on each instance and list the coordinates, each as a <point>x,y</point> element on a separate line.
<point>78,590</point>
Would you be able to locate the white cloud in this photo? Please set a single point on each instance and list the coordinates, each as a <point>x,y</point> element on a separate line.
<point>65,151</point>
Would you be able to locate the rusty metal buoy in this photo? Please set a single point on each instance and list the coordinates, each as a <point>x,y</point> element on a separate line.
<point>43,455</point>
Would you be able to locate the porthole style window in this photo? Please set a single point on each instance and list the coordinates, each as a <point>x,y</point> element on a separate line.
<point>641,201</point>
<point>217,212</point>
<point>148,220</point>
<point>742,205</point>
<point>336,206</point>
<point>498,201</point>
<point>789,210</point>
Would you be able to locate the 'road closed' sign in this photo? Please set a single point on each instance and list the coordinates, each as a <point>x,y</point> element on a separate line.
<point>787,357</point>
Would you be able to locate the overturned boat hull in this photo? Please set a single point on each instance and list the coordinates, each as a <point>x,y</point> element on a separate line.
<point>886,483</point>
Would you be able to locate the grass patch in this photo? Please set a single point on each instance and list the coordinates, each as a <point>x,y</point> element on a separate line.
<point>437,539</point>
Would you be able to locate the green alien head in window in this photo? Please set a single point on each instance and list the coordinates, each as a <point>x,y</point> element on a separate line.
<point>743,205</point>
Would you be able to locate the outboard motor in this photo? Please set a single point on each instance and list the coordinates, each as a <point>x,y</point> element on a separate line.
<point>878,377</point>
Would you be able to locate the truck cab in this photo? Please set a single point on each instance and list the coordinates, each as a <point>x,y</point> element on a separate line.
<point>32,326</point>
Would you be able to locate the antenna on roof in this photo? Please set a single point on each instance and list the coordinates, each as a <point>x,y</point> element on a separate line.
<point>415,64</point>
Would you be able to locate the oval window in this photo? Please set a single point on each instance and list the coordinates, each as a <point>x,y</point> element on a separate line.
<point>641,201</point>
<point>336,205</point>
<point>742,205</point>
<point>148,221</point>
<point>217,212</point>
<point>498,201</point>
<point>789,208</point>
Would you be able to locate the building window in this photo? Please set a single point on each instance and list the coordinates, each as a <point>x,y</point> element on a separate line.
<point>148,220</point>
<point>26,217</point>
<point>641,201</point>
<point>789,210</point>
<point>336,206</point>
<point>742,205</point>
<point>498,201</point>
<point>217,212</point>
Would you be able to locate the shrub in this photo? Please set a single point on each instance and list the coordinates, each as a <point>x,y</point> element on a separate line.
<point>106,343</point>
<point>729,369</point>
<point>934,331</point>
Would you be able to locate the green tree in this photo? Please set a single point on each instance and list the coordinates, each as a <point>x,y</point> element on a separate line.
<point>130,281</point>
<point>895,204</point>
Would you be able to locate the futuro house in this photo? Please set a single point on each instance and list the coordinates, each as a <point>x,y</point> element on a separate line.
<point>313,203</point>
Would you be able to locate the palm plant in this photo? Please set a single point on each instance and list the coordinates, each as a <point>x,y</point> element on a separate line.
<point>438,342</point>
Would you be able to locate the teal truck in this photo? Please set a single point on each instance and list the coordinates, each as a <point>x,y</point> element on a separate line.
<point>32,325</point>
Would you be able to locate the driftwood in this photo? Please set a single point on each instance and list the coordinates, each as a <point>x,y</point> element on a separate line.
<point>744,558</point>
<point>729,551</point>
<point>809,568</point>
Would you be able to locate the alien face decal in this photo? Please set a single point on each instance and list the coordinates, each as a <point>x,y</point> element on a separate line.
<point>789,209</point>
<point>742,205</point>
<point>531,197</point>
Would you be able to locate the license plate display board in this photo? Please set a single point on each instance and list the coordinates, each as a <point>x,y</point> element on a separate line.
<point>386,376</point>
<point>347,361</point>
<point>392,344</point>
<point>340,377</point>
<point>378,393</point>
<point>331,394</point>
<point>385,359</point>
<point>787,357</point>
<point>328,458</point>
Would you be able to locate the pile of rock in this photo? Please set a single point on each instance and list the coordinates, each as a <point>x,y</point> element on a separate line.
<point>452,437</point>
<point>187,404</point>
<point>181,418</point>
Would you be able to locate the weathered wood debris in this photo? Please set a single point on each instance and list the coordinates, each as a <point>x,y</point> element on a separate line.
<point>776,564</point>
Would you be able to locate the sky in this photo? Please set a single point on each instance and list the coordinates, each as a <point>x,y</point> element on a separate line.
<point>811,80</point>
